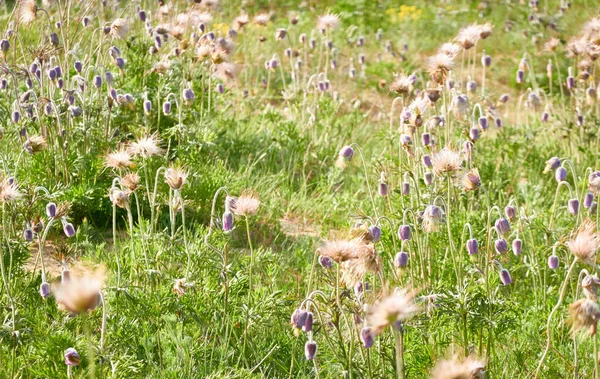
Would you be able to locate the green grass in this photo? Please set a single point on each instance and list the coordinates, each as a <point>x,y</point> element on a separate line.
<point>234,319</point>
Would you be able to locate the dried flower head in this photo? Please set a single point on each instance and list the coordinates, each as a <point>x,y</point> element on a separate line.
<point>246,204</point>
<point>586,243</point>
<point>341,250</point>
<point>398,307</point>
<point>26,11</point>
<point>82,292</point>
<point>365,260</point>
<point>180,286</point>
<point>262,19</point>
<point>584,314</point>
<point>35,144</point>
<point>451,49</point>
<point>131,181</point>
<point>328,21</point>
<point>9,191</point>
<point>439,66</point>
<point>240,21</point>
<point>119,159</point>
<point>470,368</point>
<point>594,183</point>
<point>402,84</point>
<point>467,37</point>
<point>119,28</point>
<point>590,285</point>
<point>551,44</point>
<point>145,147</point>
<point>176,177</point>
<point>446,161</point>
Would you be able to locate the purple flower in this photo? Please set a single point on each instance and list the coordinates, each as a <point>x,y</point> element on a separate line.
<point>166,108</point>
<point>510,212</point>
<point>227,221</point>
<point>505,277</point>
<point>45,290</point>
<point>325,262</point>
<point>375,232</point>
<point>28,234</point>
<point>346,153</point>
<point>404,232</point>
<point>366,337</point>
<point>426,159</point>
<point>573,206</point>
<point>69,229</point>
<point>310,350</point>
<point>472,246</point>
<point>501,245</point>
<point>308,322</point>
<point>4,45</point>
<point>561,174</point>
<point>502,226</point>
<point>520,76</point>
<point>72,358</point>
<point>553,262</point>
<point>517,246</point>
<point>299,318</point>
<point>405,188</point>
<point>401,259</point>
<point>51,210</point>
<point>588,200</point>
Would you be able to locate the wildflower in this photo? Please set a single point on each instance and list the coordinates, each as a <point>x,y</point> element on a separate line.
<point>69,229</point>
<point>586,243</point>
<point>502,226</point>
<point>81,293</point>
<point>446,161</point>
<point>517,246</point>
<point>9,191</point>
<point>240,21</point>
<point>573,206</point>
<point>131,181</point>
<point>439,66</point>
<point>227,221</point>
<point>470,368</point>
<point>28,235</point>
<point>374,233</point>
<point>505,277</point>
<point>485,30</point>
<point>328,21</point>
<point>501,245</point>
<point>26,11</point>
<point>468,36</point>
<point>119,159</point>
<point>460,106</point>
<point>588,199</point>
<point>51,210</point>
<point>35,144</point>
<point>401,259</point>
<point>262,19</point>
<point>590,285</point>
<point>345,155</point>
<point>145,147</point>
<point>325,262</point>
<point>119,28</point>
<point>552,164</point>
<point>310,350</point>
<point>299,318</point>
<point>433,216</point>
<point>471,180</point>
<point>594,182</point>
<point>366,337</point>
<point>308,323</point>
<point>584,314</point>
<point>392,309</point>
<point>472,246</point>
<point>561,174</point>
<point>45,290</point>
<point>450,49</point>
<point>246,204</point>
<point>402,84</point>
<point>175,178</point>
<point>72,357</point>
<point>119,198</point>
<point>404,232</point>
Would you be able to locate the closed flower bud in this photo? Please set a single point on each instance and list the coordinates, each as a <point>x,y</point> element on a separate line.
<point>588,199</point>
<point>472,246</point>
<point>120,62</point>
<point>573,206</point>
<point>510,212</point>
<point>502,226</point>
<point>405,188</point>
<point>220,88</point>
<point>382,189</point>
<point>142,15</point>
<point>520,76</point>
<point>483,122</point>
<point>561,174</point>
<point>428,178</point>
<point>58,71</point>
<point>504,98</point>
<point>474,134</point>
<point>570,82</point>
<point>325,262</point>
<point>501,245</point>
<point>486,60</point>
<point>166,108</point>
<point>346,153</point>
<point>517,246</point>
<point>553,262</point>
<point>51,210</point>
<point>426,159</point>
<point>426,139</point>
<point>401,259</point>
<point>366,337</point>
<point>308,322</point>
<point>299,318</point>
<point>227,221</point>
<point>78,66</point>
<point>69,229</point>
<point>404,232</point>
<point>545,116</point>
<point>188,95</point>
<point>97,81</point>
<point>16,116</point>
<point>3,83</point>
<point>53,39</point>
<point>28,235</point>
<point>4,45</point>
<point>505,277</point>
<point>310,350</point>
<point>471,86</point>
<point>33,68</point>
<point>45,290</point>
<point>108,76</point>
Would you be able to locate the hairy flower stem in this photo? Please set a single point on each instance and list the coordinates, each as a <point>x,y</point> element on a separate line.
<point>563,290</point>
<point>399,337</point>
